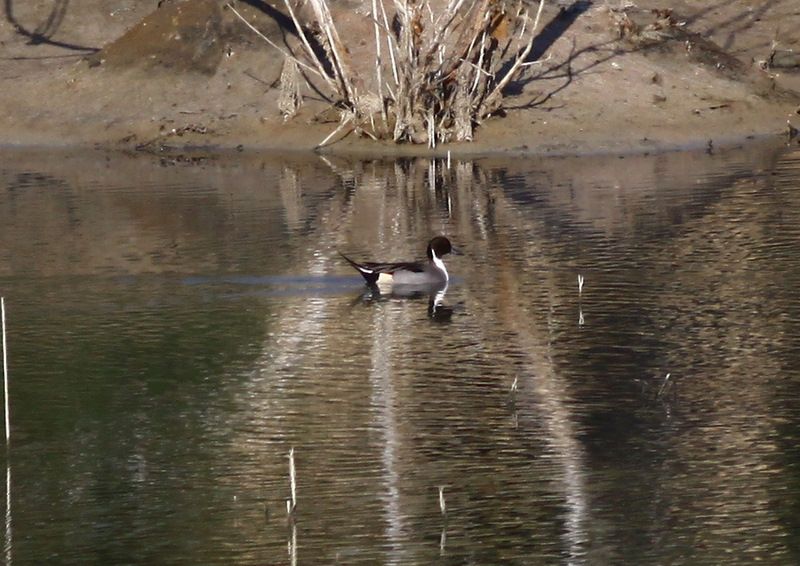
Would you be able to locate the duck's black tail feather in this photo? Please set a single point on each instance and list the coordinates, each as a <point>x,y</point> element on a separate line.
<point>369,275</point>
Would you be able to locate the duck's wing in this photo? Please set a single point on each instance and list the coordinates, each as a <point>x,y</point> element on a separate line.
<point>372,270</point>
<point>413,266</point>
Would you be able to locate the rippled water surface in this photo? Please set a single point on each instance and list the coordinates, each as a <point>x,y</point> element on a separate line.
<point>176,327</point>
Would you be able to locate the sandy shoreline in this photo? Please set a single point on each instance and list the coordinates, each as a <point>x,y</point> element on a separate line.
<point>100,78</point>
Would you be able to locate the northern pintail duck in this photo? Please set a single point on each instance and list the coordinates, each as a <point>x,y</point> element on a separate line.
<point>409,273</point>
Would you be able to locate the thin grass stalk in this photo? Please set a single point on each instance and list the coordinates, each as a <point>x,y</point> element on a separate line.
<point>408,36</point>
<point>480,65</point>
<point>477,68</point>
<point>406,93</point>
<point>663,386</point>
<point>462,104</point>
<point>450,13</point>
<point>378,62</point>
<point>474,16</point>
<point>293,478</point>
<point>5,370</point>
<point>466,56</point>
<point>445,31</point>
<point>498,89</point>
<point>9,542</point>
<point>524,27</point>
<point>346,69</point>
<point>367,133</point>
<point>273,44</point>
<point>292,545</point>
<point>402,9</point>
<point>389,43</point>
<point>401,115</point>
<point>459,55</point>
<point>518,13</point>
<point>338,129</point>
<point>340,68</point>
<point>446,115</point>
<point>431,129</point>
<point>309,51</point>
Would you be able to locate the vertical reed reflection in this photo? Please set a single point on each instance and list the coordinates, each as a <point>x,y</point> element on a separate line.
<point>9,541</point>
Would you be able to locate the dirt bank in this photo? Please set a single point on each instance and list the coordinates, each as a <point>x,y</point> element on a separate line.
<point>129,74</point>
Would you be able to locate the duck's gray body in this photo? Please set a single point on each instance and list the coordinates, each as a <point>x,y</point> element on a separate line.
<point>411,274</point>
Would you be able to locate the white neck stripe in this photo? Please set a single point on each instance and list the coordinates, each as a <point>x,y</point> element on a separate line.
<point>440,264</point>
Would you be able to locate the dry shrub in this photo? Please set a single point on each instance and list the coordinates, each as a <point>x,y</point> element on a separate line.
<point>439,72</point>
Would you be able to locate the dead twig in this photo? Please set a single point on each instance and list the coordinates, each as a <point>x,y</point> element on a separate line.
<point>272,43</point>
<point>497,92</point>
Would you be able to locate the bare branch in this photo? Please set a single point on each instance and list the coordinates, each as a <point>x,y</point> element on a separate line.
<point>309,51</point>
<point>392,48</point>
<point>498,90</point>
<point>338,129</point>
<point>378,62</point>
<point>340,66</point>
<point>271,43</point>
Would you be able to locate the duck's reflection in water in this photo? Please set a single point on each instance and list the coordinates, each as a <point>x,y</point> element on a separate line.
<point>438,310</point>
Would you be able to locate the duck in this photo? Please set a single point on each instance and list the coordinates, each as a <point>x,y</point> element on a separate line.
<point>409,273</point>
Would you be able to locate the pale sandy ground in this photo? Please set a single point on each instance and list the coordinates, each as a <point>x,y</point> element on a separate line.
<point>189,75</point>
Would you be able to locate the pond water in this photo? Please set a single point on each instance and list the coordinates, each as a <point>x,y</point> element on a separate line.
<point>177,326</point>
